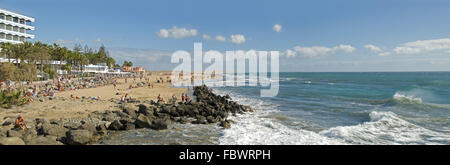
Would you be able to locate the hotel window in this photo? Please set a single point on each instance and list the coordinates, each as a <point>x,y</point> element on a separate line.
<point>16,29</point>
<point>8,27</point>
<point>2,16</point>
<point>16,38</point>
<point>22,21</point>
<point>22,30</point>
<point>16,20</point>
<point>2,36</point>
<point>9,18</point>
<point>2,26</point>
<point>22,39</point>
<point>9,37</point>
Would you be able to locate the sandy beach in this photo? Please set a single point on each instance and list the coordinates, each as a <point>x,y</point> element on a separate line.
<point>66,107</point>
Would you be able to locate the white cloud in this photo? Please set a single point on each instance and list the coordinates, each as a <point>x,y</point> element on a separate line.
<point>206,37</point>
<point>176,33</point>
<point>372,48</point>
<point>99,40</point>
<point>163,33</point>
<point>221,38</point>
<point>290,53</point>
<point>316,51</point>
<point>217,38</point>
<point>384,54</point>
<point>61,41</point>
<point>277,27</point>
<point>423,46</point>
<point>237,39</point>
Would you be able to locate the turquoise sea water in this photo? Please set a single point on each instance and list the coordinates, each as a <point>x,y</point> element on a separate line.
<point>346,108</point>
<point>327,108</point>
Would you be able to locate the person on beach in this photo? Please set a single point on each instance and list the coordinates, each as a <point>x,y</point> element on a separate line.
<point>9,83</point>
<point>174,98</point>
<point>187,98</point>
<point>183,98</point>
<point>161,99</point>
<point>20,122</point>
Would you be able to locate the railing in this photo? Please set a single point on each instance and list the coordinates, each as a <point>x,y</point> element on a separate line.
<point>17,33</point>
<point>16,15</point>
<point>16,24</point>
<point>11,41</point>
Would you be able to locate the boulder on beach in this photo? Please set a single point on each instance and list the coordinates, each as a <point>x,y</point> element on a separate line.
<point>15,133</point>
<point>115,125</point>
<point>53,129</point>
<point>102,129</point>
<point>161,124</point>
<point>88,126</point>
<point>11,141</point>
<point>143,121</point>
<point>44,140</point>
<point>129,126</point>
<point>130,110</point>
<point>225,124</point>
<point>79,137</point>
<point>199,120</point>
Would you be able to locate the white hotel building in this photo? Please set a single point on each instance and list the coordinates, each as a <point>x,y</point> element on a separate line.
<point>14,27</point>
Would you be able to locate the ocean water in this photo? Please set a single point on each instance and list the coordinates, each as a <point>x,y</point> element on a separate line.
<point>327,108</point>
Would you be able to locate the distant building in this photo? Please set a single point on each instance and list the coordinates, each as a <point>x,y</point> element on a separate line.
<point>14,27</point>
<point>139,70</point>
<point>127,69</point>
<point>95,69</point>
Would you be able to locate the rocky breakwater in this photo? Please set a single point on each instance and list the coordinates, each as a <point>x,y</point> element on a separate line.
<point>207,108</point>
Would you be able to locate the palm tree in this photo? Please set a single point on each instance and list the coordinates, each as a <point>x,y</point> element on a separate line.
<point>40,53</point>
<point>6,50</point>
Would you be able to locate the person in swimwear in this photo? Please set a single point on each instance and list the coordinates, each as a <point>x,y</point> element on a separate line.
<point>20,122</point>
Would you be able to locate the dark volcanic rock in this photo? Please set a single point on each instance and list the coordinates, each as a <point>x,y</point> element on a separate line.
<point>225,124</point>
<point>129,126</point>
<point>115,125</point>
<point>102,129</point>
<point>79,137</point>
<point>15,133</point>
<point>143,121</point>
<point>183,120</point>
<point>130,110</point>
<point>161,124</point>
<point>199,120</point>
<point>53,129</point>
<point>11,141</point>
<point>211,119</point>
<point>44,140</point>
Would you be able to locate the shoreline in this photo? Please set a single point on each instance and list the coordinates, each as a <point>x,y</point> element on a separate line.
<point>50,127</point>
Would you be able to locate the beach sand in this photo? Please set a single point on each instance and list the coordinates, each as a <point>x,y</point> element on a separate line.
<point>81,108</point>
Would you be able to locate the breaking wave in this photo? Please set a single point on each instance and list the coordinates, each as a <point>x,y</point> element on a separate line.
<point>404,97</point>
<point>383,128</point>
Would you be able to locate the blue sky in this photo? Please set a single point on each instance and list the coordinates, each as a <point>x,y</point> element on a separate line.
<point>346,35</point>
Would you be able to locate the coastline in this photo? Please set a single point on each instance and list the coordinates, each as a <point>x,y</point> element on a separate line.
<point>64,120</point>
